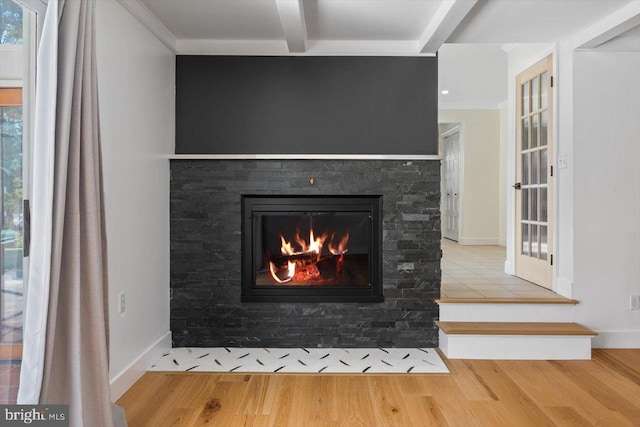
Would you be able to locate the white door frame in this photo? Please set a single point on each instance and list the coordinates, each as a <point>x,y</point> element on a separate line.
<point>457,127</point>
<point>542,52</point>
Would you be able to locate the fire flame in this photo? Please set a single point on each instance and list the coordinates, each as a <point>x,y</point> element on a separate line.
<point>291,271</point>
<point>341,249</point>
<point>315,244</point>
<point>286,247</point>
<point>313,248</point>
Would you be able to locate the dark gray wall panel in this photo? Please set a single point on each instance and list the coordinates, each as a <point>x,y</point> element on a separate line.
<point>306,105</point>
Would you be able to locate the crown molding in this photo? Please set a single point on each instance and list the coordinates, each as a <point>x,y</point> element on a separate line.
<point>232,47</point>
<point>313,48</point>
<point>508,47</point>
<point>365,48</point>
<point>150,21</point>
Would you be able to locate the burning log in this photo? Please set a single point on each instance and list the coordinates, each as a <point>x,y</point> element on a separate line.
<point>298,259</point>
<point>306,268</point>
<point>307,272</point>
<point>308,263</point>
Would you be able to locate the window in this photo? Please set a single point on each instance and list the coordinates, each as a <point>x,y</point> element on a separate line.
<point>17,59</point>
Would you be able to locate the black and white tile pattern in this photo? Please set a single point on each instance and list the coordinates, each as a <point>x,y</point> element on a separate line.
<point>303,360</point>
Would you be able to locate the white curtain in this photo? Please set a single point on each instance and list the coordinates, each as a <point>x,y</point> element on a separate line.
<point>37,303</point>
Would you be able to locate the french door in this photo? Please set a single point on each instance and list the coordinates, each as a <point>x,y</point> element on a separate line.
<point>534,175</point>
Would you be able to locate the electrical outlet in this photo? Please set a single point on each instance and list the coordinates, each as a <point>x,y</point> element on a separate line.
<point>634,303</point>
<point>123,302</point>
<point>562,161</point>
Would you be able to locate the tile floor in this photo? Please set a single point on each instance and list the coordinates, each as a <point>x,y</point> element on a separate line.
<point>478,272</point>
<point>303,360</point>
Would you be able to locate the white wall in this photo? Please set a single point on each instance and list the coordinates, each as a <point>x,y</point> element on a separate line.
<point>502,177</point>
<point>607,199</point>
<point>480,86</point>
<point>480,161</point>
<point>136,76</point>
<point>564,176</point>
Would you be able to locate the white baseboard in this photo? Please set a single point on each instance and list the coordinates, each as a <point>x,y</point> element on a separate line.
<point>465,312</point>
<point>509,268</point>
<point>617,339</point>
<point>123,380</point>
<point>479,241</point>
<point>516,347</point>
<point>502,242</point>
<point>564,287</point>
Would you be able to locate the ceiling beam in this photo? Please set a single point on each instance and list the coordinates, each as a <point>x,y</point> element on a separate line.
<point>444,22</point>
<point>292,19</point>
<point>610,27</point>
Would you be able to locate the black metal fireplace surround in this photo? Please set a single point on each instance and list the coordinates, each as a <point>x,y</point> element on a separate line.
<point>311,249</point>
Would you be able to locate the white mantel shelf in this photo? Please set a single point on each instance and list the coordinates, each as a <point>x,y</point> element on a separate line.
<point>305,157</point>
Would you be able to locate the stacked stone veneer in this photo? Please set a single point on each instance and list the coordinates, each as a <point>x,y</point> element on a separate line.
<point>205,255</point>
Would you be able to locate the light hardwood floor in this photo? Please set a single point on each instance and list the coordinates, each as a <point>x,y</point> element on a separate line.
<point>604,391</point>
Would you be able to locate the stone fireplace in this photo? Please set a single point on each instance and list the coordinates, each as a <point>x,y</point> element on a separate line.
<point>335,288</point>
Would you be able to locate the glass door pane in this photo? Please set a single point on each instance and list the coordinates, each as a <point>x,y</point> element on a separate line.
<point>13,78</point>
<point>11,221</point>
<point>534,131</point>
<point>534,95</point>
<point>544,82</point>
<point>534,158</point>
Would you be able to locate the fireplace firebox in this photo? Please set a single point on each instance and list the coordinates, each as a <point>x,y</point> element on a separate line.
<point>311,249</point>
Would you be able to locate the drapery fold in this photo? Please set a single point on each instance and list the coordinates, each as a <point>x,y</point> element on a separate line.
<point>74,367</point>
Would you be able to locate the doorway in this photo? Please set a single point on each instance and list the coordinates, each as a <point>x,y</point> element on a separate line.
<point>534,174</point>
<point>450,183</point>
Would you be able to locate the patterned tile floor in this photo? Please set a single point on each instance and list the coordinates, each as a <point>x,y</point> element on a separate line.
<point>303,360</point>
<point>478,272</point>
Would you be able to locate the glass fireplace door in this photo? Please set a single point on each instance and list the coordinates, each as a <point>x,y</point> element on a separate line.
<point>312,249</point>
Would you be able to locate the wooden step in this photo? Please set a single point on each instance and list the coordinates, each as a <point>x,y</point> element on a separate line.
<point>558,300</point>
<point>514,328</point>
<point>515,340</point>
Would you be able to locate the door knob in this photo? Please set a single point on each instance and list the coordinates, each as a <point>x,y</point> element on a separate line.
<point>517,185</point>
